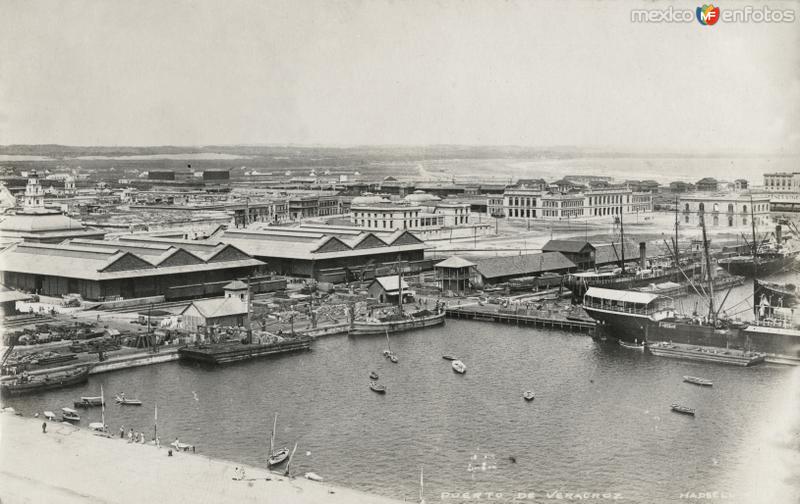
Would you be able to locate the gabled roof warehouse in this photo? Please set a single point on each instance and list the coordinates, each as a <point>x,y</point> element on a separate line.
<point>501,269</point>
<point>102,269</point>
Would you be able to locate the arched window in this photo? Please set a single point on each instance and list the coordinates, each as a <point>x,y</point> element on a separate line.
<point>686,208</point>
<point>744,208</point>
<point>716,207</point>
<point>730,207</point>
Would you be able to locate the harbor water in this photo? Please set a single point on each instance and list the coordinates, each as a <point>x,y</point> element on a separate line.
<point>600,423</point>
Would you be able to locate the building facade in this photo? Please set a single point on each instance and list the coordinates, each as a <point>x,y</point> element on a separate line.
<point>725,209</point>
<point>782,182</point>
<point>608,201</point>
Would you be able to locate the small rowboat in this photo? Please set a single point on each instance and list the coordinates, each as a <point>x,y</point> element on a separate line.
<point>313,476</point>
<point>376,387</point>
<point>449,357</point>
<point>393,358</point>
<point>70,415</point>
<point>630,346</point>
<point>180,446</point>
<point>459,367</point>
<point>124,401</point>
<point>373,375</point>
<point>97,426</point>
<point>278,457</point>
<point>528,395</point>
<point>677,408</point>
<point>698,381</point>
<point>49,415</point>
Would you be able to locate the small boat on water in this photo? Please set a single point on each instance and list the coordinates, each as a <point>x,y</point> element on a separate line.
<point>528,395</point>
<point>88,402</point>
<point>459,367</point>
<point>276,456</point>
<point>631,346</point>
<point>373,375</point>
<point>313,476</point>
<point>449,357</point>
<point>49,415</point>
<point>677,408</point>
<point>124,401</point>
<point>698,381</point>
<point>70,415</point>
<point>180,446</point>
<point>393,358</point>
<point>377,387</point>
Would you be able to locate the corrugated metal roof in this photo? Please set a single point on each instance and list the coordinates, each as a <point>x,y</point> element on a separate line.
<point>605,254</point>
<point>574,246</point>
<point>454,262</point>
<point>521,265</point>
<point>391,283</point>
<point>219,307</point>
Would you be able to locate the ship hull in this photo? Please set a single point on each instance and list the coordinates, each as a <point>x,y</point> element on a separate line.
<point>764,266</point>
<point>719,356</point>
<point>226,353</point>
<point>11,389</point>
<point>394,326</point>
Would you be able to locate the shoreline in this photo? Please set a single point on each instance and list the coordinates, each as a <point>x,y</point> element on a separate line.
<point>70,465</point>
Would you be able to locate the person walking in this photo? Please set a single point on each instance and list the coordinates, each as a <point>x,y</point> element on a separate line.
<point>122,432</point>
<point>44,427</point>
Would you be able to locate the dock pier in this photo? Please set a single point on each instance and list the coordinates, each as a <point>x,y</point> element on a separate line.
<point>520,319</point>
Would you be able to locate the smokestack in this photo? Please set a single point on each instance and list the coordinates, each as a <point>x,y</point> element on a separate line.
<point>643,255</point>
<point>778,231</point>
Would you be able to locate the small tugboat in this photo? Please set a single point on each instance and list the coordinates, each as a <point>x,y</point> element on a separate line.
<point>70,415</point>
<point>459,367</point>
<point>124,401</point>
<point>677,408</point>
<point>376,387</point>
<point>528,395</point>
<point>448,357</point>
<point>698,381</point>
<point>373,376</point>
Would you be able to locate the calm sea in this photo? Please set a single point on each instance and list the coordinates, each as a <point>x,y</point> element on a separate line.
<point>600,422</point>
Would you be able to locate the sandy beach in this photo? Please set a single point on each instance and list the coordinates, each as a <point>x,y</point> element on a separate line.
<point>72,465</point>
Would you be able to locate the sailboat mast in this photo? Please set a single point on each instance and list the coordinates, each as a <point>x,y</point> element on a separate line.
<point>712,313</point>
<point>289,463</point>
<point>421,486</point>
<point>400,284</point>
<point>102,408</point>
<point>155,424</point>
<point>272,436</point>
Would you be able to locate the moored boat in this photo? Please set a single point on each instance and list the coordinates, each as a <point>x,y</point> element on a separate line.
<point>29,384</point>
<point>373,375</point>
<point>705,354</point>
<point>459,367</point>
<point>377,387</point>
<point>70,415</point>
<point>97,426</point>
<point>88,402</point>
<point>397,323</point>
<point>684,410</point>
<point>124,401</point>
<point>528,395</point>
<point>49,415</point>
<point>313,476</point>
<point>276,456</point>
<point>449,357</point>
<point>698,381</point>
<point>631,346</point>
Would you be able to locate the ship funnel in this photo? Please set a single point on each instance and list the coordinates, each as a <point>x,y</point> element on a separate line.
<point>643,255</point>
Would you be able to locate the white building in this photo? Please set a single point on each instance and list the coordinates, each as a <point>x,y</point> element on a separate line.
<point>426,215</point>
<point>729,209</point>
<point>524,203</point>
<point>782,182</point>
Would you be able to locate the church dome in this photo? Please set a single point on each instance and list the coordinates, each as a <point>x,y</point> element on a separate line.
<point>38,222</point>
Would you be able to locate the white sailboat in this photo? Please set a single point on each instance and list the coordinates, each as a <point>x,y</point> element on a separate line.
<point>101,425</point>
<point>276,457</point>
<point>388,353</point>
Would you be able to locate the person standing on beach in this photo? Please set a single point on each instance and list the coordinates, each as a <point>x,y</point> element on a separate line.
<point>130,436</point>
<point>44,427</point>
<point>122,432</point>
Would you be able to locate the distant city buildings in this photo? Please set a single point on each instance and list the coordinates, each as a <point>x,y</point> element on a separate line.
<point>570,202</point>
<point>728,209</point>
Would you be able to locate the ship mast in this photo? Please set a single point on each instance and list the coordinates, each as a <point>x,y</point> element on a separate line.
<point>712,313</point>
<point>400,284</point>
<point>677,251</point>
<point>755,260</point>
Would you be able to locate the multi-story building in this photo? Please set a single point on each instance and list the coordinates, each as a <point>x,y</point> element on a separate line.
<point>329,205</point>
<point>782,182</point>
<point>494,205</point>
<point>725,209</point>
<point>589,203</point>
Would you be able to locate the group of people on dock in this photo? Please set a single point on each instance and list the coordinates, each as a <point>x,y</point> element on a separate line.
<point>135,437</point>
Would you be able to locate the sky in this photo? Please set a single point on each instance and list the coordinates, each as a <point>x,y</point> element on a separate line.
<point>413,72</point>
